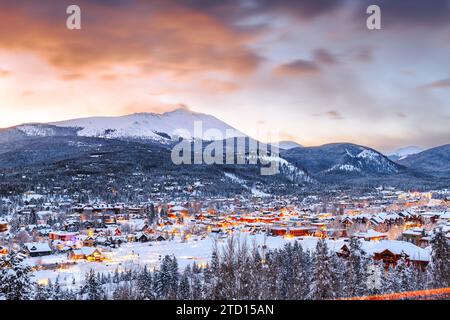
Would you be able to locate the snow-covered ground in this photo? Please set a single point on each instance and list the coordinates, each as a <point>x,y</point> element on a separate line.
<point>133,255</point>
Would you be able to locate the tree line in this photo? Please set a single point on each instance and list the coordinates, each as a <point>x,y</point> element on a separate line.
<point>242,272</point>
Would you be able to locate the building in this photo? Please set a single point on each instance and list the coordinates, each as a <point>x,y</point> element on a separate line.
<point>371,235</point>
<point>87,253</point>
<point>37,249</point>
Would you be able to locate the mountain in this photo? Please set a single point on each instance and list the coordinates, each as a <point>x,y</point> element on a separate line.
<point>435,161</point>
<point>403,153</point>
<point>342,161</point>
<point>286,145</point>
<point>150,126</point>
<point>138,147</point>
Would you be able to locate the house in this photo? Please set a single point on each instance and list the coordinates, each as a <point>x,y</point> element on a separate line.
<point>37,249</point>
<point>3,250</point>
<point>302,231</point>
<point>87,253</point>
<point>414,235</point>
<point>178,210</point>
<point>390,251</point>
<point>160,238</point>
<point>142,237</point>
<point>278,231</point>
<point>63,235</point>
<point>89,242</point>
<point>371,235</point>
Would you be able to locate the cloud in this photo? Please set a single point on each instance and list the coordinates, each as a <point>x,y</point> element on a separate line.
<point>72,76</point>
<point>27,93</point>
<point>297,68</point>
<point>408,13</point>
<point>219,86</point>
<point>160,35</point>
<point>237,9</point>
<point>324,56</point>
<point>335,115</point>
<point>5,73</point>
<point>440,84</point>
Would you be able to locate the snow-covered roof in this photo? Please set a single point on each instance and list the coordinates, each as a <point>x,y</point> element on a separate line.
<point>370,234</point>
<point>397,247</point>
<point>38,247</point>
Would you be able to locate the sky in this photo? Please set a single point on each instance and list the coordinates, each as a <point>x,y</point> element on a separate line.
<point>310,70</point>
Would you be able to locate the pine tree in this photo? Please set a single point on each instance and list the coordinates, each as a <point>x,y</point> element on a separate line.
<point>322,285</point>
<point>404,276</point>
<point>145,285</point>
<point>163,279</point>
<point>92,287</point>
<point>174,278</point>
<point>440,261</point>
<point>356,270</point>
<point>184,292</point>
<point>15,277</point>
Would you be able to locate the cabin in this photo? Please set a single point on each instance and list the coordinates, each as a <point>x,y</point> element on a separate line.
<point>278,231</point>
<point>414,235</point>
<point>37,249</point>
<point>89,242</point>
<point>178,210</point>
<point>371,235</point>
<point>63,236</point>
<point>302,231</point>
<point>142,237</point>
<point>390,251</point>
<point>87,253</point>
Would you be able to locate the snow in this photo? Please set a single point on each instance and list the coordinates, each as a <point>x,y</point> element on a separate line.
<point>133,255</point>
<point>38,247</point>
<point>234,178</point>
<point>148,125</point>
<point>36,130</point>
<point>343,167</point>
<point>286,145</point>
<point>403,153</point>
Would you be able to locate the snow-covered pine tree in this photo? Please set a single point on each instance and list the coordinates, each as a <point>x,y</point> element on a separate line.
<point>439,267</point>
<point>322,284</point>
<point>184,291</point>
<point>15,277</point>
<point>404,275</point>
<point>356,270</point>
<point>198,291</point>
<point>174,278</point>
<point>145,285</point>
<point>92,288</point>
<point>163,279</point>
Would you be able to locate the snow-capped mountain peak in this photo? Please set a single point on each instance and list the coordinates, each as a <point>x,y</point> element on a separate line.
<point>403,153</point>
<point>152,126</point>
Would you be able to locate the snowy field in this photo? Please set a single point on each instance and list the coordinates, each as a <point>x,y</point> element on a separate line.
<point>133,255</point>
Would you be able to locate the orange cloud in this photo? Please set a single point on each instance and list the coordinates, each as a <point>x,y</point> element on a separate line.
<point>154,35</point>
<point>219,86</point>
<point>297,68</point>
<point>5,73</point>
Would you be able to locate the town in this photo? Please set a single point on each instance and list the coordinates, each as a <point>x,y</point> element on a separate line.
<point>63,239</point>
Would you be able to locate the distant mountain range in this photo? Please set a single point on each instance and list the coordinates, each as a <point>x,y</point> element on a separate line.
<point>142,143</point>
<point>403,153</point>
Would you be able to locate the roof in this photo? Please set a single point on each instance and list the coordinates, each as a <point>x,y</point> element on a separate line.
<point>178,208</point>
<point>397,247</point>
<point>370,234</point>
<point>87,251</point>
<point>38,247</point>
